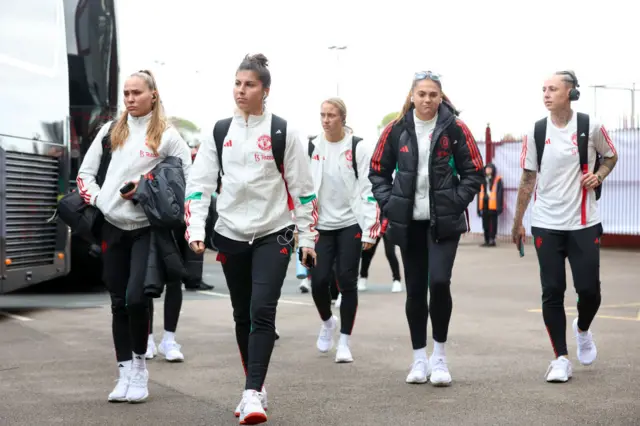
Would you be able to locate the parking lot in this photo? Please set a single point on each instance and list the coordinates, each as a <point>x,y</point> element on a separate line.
<point>58,364</point>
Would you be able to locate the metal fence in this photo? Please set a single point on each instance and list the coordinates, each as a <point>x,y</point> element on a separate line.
<point>620,202</point>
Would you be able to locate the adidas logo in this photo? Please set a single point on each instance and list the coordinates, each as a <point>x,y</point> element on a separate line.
<point>228,144</point>
<point>284,250</point>
<point>278,132</point>
<point>404,149</point>
<point>547,142</point>
<point>582,135</point>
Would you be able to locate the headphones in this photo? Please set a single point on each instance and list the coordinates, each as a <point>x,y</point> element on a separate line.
<point>574,93</point>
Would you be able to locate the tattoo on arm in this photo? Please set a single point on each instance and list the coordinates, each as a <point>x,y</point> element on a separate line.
<point>525,191</point>
<point>607,166</point>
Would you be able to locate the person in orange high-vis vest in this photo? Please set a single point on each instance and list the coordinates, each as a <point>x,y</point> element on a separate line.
<point>490,204</point>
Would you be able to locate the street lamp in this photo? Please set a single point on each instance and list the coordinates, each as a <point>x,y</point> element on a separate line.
<point>337,49</point>
<point>631,89</point>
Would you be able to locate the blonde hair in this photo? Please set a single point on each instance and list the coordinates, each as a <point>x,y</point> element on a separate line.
<point>342,108</point>
<point>157,125</point>
<point>408,103</point>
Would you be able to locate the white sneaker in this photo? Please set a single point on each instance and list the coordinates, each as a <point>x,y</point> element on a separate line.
<point>152,350</point>
<point>338,300</point>
<point>420,372</point>
<point>362,284</point>
<point>251,411</point>
<point>171,351</point>
<point>440,375</point>
<point>325,338</point>
<point>304,286</point>
<point>263,400</point>
<point>343,354</point>
<point>559,370</point>
<point>587,351</point>
<point>119,393</point>
<point>138,385</point>
<point>396,287</point>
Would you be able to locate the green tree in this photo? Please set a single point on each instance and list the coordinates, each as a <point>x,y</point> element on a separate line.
<point>387,119</point>
<point>182,124</point>
<point>187,129</point>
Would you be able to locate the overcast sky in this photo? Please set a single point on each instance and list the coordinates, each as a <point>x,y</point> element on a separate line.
<point>493,56</point>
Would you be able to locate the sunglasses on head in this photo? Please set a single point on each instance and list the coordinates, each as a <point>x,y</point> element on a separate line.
<point>421,75</point>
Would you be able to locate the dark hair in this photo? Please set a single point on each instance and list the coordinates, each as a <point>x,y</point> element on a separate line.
<point>408,104</point>
<point>569,77</point>
<point>257,63</point>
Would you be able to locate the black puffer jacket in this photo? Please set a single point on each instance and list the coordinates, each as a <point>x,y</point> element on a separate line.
<point>455,174</point>
<point>161,195</point>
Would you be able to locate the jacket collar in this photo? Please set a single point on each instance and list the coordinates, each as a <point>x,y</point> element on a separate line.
<point>445,118</point>
<point>139,121</point>
<point>253,121</point>
<point>321,142</point>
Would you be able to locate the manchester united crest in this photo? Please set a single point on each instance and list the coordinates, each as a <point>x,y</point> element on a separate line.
<point>348,155</point>
<point>444,142</point>
<point>264,142</point>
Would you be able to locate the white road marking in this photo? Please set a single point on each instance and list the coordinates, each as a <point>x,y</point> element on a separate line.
<point>15,317</point>
<point>289,302</point>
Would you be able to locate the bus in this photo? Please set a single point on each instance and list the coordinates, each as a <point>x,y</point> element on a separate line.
<point>58,85</point>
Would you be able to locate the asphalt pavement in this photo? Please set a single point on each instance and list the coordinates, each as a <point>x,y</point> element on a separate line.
<point>57,364</point>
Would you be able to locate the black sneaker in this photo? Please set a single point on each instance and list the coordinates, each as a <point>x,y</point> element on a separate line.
<point>201,285</point>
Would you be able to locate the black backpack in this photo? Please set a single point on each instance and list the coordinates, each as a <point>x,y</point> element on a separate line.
<point>540,135</point>
<point>354,143</point>
<point>278,140</point>
<point>86,220</point>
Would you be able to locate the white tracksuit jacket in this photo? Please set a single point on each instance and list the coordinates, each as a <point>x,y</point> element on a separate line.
<point>363,205</point>
<point>256,199</point>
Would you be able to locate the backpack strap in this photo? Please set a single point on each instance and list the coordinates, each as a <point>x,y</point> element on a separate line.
<point>278,140</point>
<point>106,155</point>
<point>583,141</point>
<point>220,131</point>
<point>539,136</point>
<point>583,149</point>
<point>354,144</point>
<point>311,146</point>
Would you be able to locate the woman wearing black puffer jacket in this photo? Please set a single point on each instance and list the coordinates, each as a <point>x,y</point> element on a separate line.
<point>439,171</point>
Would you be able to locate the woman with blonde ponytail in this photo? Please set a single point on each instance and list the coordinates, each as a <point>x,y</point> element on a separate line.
<point>438,171</point>
<point>348,222</point>
<point>139,141</point>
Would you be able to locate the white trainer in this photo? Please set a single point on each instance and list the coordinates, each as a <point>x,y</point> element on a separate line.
<point>396,287</point>
<point>251,411</point>
<point>559,370</point>
<point>119,393</point>
<point>325,337</point>
<point>440,376</point>
<point>171,351</point>
<point>138,385</point>
<point>152,349</point>
<point>263,400</point>
<point>338,300</point>
<point>305,285</point>
<point>587,351</point>
<point>362,284</point>
<point>343,354</point>
<point>420,372</point>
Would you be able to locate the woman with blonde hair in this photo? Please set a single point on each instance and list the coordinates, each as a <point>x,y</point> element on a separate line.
<point>438,172</point>
<point>139,141</point>
<point>348,221</point>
